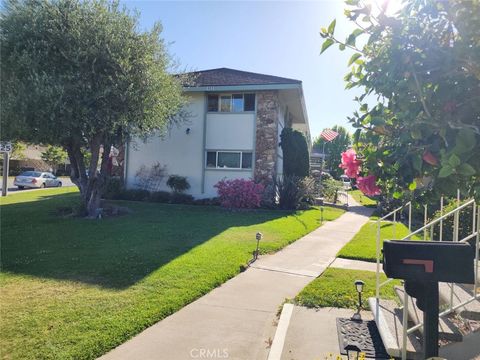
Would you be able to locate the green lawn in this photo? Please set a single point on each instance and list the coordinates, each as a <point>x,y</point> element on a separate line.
<point>364,244</point>
<point>74,288</point>
<point>335,288</point>
<point>363,199</point>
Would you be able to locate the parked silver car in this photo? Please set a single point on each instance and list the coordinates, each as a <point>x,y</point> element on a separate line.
<point>36,179</point>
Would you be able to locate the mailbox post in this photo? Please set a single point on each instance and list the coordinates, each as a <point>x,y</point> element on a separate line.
<point>423,264</point>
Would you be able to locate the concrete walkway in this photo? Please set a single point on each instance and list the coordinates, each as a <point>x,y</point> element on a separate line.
<point>237,320</point>
<point>355,265</point>
<point>312,333</point>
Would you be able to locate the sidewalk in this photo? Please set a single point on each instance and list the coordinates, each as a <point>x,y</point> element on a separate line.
<point>237,320</point>
<point>312,333</point>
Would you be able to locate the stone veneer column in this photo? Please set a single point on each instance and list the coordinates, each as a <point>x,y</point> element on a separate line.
<point>266,136</point>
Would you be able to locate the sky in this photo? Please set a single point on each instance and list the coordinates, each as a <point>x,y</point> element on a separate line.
<point>270,37</point>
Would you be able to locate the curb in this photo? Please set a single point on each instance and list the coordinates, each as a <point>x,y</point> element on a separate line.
<point>281,332</point>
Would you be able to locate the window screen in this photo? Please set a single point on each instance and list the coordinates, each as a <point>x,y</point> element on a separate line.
<point>246,160</point>
<point>212,102</point>
<point>249,102</point>
<point>212,159</point>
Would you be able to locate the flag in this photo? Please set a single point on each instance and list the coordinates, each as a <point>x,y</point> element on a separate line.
<point>328,135</point>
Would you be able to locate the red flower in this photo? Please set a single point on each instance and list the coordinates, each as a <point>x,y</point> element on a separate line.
<point>368,186</point>
<point>429,158</point>
<point>350,164</point>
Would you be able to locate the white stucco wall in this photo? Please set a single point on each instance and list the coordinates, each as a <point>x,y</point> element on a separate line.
<point>181,152</point>
<point>230,131</point>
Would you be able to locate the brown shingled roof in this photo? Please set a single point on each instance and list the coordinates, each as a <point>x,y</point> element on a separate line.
<point>231,77</point>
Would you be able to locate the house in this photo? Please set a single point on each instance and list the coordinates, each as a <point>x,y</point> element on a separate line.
<point>233,131</point>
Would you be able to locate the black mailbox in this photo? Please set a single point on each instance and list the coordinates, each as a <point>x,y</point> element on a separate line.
<point>429,261</point>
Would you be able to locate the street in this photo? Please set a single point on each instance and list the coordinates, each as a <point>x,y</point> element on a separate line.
<point>65,182</point>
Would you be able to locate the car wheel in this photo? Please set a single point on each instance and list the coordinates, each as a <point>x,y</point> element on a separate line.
<point>43,186</point>
<point>21,187</point>
<point>59,184</point>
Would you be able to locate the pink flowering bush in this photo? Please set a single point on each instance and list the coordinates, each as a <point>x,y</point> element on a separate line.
<point>239,193</point>
<point>350,164</point>
<point>368,186</point>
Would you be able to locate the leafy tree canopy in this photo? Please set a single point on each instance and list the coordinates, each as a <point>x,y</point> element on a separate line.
<point>422,66</point>
<point>334,149</point>
<point>18,150</point>
<point>54,156</point>
<point>81,75</point>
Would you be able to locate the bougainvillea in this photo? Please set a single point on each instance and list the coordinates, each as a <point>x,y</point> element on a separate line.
<point>239,193</point>
<point>368,186</point>
<point>350,164</point>
<point>418,74</point>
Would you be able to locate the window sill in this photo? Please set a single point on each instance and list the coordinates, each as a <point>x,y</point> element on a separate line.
<point>228,169</point>
<point>231,112</point>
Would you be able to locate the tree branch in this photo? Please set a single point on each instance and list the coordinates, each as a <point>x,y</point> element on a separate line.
<point>420,94</point>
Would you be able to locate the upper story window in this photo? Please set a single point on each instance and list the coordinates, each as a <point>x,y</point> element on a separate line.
<point>231,102</point>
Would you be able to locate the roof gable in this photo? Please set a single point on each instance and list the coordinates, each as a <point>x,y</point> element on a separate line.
<point>231,77</point>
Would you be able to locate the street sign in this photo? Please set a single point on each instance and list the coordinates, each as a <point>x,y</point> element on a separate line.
<point>5,146</point>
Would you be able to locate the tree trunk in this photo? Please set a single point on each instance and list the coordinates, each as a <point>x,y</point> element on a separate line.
<point>91,185</point>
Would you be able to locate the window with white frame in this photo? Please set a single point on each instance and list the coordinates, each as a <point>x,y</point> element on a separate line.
<point>229,160</point>
<point>231,102</point>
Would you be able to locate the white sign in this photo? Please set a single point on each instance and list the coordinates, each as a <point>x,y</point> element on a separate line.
<point>5,146</point>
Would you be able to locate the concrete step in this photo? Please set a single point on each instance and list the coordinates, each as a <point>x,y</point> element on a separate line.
<point>389,322</point>
<point>461,293</point>
<point>446,329</point>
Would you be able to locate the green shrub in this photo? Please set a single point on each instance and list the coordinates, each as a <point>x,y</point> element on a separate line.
<point>215,201</point>
<point>134,195</point>
<point>296,159</point>
<point>179,198</point>
<point>178,183</point>
<point>330,189</point>
<point>160,196</point>
<point>113,188</point>
<point>464,223</point>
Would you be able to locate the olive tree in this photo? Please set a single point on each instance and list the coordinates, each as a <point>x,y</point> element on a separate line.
<point>418,117</point>
<point>81,75</point>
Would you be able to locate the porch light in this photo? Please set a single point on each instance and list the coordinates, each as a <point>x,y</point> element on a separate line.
<point>352,351</point>
<point>359,286</point>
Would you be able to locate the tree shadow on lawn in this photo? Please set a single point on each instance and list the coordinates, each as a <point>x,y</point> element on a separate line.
<point>113,252</point>
<point>360,209</point>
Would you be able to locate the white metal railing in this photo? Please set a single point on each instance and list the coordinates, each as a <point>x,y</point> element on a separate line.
<point>378,251</point>
<point>429,226</point>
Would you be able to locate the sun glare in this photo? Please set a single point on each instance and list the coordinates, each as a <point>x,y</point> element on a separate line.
<point>392,6</point>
